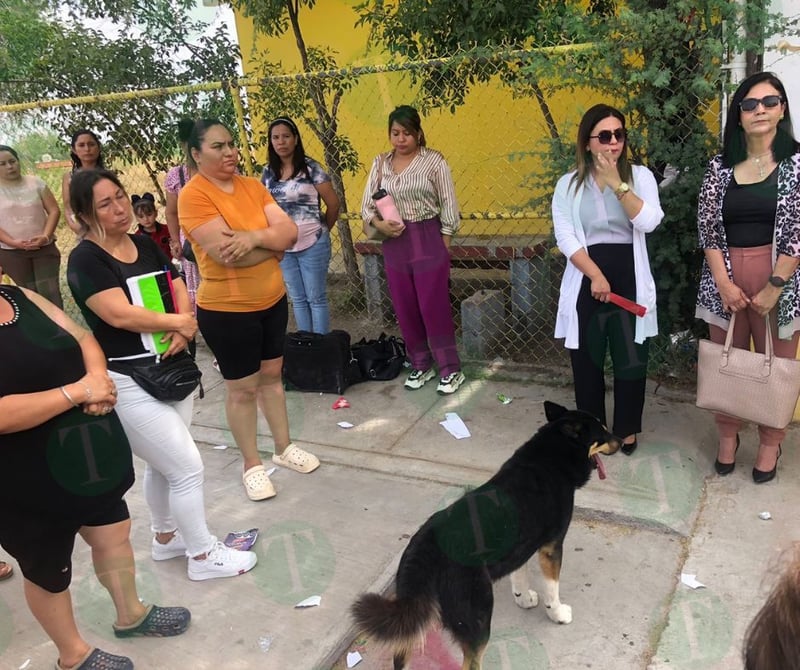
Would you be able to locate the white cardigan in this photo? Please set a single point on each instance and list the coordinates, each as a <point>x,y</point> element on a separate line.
<point>570,237</point>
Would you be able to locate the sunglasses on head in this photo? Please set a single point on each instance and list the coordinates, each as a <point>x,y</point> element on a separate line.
<point>604,136</point>
<point>769,101</point>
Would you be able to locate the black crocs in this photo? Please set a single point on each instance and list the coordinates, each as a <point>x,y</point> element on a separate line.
<point>157,622</point>
<point>101,660</point>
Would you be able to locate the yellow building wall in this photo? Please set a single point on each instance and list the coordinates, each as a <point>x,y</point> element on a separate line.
<point>487,141</point>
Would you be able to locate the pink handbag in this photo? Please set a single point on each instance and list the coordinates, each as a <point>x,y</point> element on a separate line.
<point>761,388</point>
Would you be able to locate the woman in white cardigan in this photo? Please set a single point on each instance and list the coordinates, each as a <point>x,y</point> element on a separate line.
<point>601,213</point>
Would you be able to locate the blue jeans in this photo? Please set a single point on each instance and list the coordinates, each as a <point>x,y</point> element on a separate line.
<point>306,274</point>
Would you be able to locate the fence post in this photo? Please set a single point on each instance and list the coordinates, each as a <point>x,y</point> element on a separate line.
<point>244,141</point>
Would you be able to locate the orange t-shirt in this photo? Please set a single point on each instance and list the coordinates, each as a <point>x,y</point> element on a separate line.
<point>227,289</point>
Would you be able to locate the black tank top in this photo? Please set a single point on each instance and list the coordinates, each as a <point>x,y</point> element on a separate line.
<point>73,462</point>
<point>748,212</point>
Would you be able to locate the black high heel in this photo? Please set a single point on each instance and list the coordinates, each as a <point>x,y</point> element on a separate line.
<point>761,476</point>
<point>726,468</point>
<point>628,449</point>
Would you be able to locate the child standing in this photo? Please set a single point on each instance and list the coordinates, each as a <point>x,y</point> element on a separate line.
<point>144,208</point>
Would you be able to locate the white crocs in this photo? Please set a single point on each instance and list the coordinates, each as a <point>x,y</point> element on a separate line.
<point>296,459</point>
<point>257,483</point>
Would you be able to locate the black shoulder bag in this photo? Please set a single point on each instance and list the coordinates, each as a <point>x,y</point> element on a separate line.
<point>381,359</point>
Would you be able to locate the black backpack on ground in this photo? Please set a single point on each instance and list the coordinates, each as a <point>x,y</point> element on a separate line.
<point>381,359</point>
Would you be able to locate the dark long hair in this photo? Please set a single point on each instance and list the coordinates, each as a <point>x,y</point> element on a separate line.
<point>76,162</point>
<point>583,157</point>
<point>772,639</point>
<point>408,117</point>
<point>81,195</point>
<point>299,165</point>
<point>734,147</point>
<point>13,152</point>
<point>194,139</point>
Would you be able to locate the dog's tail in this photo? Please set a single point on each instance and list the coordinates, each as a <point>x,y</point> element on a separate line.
<point>398,623</point>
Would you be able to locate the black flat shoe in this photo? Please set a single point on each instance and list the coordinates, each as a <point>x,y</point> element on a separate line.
<point>628,449</point>
<point>726,468</point>
<point>761,476</point>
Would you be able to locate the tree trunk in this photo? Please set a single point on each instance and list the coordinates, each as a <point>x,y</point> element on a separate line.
<point>327,126</point>
<point>343,225</point>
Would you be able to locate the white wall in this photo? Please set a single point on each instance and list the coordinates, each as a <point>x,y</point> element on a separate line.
<point>785,62</point>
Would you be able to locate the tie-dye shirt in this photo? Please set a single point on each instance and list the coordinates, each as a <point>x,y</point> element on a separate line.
<point>298,197</point>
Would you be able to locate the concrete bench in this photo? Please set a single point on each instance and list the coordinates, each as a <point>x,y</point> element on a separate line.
<point>523,256</point>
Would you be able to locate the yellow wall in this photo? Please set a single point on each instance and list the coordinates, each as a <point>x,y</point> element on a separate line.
<point>486,142</point>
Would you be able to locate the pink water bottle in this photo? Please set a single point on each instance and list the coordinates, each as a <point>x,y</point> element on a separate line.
<point>386,207</point>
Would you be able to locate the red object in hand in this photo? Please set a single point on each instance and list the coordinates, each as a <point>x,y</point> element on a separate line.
<point>633,307</point>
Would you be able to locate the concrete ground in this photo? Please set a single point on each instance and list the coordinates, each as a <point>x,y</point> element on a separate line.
<point>340,531</point>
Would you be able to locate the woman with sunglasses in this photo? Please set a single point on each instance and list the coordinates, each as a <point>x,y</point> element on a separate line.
<point>602,211</point>
<point>748,221</point>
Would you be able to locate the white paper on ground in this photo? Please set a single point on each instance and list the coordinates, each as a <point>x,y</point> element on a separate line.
<point>344,424</point>
<point>691,581</point>
<point>353,659</point>
<point>220,447</point>
<point>311,601</point>
<point>455,426</point>
<point>272,470</point>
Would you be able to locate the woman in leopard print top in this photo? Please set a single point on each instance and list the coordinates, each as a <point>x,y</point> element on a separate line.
<point>748,223</point>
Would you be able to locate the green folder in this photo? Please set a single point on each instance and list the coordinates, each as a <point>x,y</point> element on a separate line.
<point>153,291</point>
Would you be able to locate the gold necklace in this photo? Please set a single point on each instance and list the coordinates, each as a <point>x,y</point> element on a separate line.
<point>759,163</point>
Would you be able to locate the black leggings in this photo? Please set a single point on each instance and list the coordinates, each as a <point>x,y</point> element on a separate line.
<point>601,327</point>
<point>241,340</point>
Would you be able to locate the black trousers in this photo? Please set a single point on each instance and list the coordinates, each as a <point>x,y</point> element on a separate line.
<point>605,327</point>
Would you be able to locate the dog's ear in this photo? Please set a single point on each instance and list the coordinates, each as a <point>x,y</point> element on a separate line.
<point>553,411</point>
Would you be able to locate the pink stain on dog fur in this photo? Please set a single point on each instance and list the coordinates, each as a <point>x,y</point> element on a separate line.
<point>436,655</point>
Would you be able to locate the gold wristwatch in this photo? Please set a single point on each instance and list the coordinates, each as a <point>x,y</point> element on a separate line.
<point>621,190</point>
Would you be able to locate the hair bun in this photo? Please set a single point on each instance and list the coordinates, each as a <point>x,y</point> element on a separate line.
<point>145,197</point>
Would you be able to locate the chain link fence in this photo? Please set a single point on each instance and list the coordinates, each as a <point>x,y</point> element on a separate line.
<point>506,140</point>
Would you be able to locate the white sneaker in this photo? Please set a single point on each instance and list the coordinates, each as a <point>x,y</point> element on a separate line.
<point>450,384</point>
<point>417,378</point>
<point>172,549</point>
<point>221,561</point>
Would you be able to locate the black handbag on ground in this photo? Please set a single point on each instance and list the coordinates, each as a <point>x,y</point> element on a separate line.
<point>168,379</point>
<point>381,359</point>
<point>316,362</point>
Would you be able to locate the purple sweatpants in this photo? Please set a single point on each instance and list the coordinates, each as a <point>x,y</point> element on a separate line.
<point>418,272</point>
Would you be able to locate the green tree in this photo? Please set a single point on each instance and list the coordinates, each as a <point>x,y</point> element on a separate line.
<point>72,60</point>
<point>33,145</point>
<point>25,31</point>
<point>660,61</point>
<point>314,100</point>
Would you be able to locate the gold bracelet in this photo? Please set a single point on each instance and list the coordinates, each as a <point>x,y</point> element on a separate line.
<point>68,396</point>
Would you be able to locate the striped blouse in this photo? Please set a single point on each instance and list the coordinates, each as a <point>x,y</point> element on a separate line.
<point>422,191</point>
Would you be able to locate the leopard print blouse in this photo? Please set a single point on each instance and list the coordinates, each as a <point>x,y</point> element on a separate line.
<point>786,240</point>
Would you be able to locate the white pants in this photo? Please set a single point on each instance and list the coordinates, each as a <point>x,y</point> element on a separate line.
<point>158,433</point>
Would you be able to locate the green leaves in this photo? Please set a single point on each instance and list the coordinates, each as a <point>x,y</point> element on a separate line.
<point>48,57</point>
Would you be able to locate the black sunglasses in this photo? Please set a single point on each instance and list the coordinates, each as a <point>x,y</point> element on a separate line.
<point>604,136</point>
<point>769,101</point>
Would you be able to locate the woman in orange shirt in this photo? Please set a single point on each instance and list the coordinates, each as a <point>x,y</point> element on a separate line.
<point>238,234</point>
